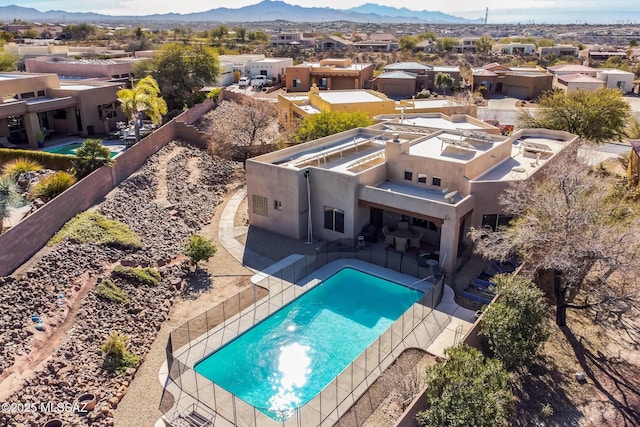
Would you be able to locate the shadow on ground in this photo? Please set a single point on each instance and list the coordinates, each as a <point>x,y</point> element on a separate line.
<point>197,282</point>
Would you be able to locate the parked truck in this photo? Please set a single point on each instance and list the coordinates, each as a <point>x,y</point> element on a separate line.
<point>258,82</point>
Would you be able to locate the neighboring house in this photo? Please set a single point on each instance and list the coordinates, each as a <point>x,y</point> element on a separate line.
<point>273,68</point>
<point>514,48</point>
<point>623,80</point>
<point>396,81</point>
<point>559,70</point>
<point>292,107</point>
<point>377,42</point>
<point>572,82</point>
<point>441,174</point>
<point>285,39</point>
<point>633,169</point>
<point>467,45</point>
<point>32,102</point>
<point>333,44</point>
<point>427,46</point>
<point>336,74</point>
<point>601,55</point>
<point>111,69</point>
<point>523,83</point>
<point>558,50</point>
<point>396,84</point>
<point>241,63</point>
<point>225,76</point>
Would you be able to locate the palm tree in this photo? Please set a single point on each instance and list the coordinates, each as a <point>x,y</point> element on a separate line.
<point>9,194</point>
<point>143,97</point>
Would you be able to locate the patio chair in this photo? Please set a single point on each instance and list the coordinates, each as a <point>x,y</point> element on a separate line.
<point>414,242</point>
<point>400,244</point>
<point>388,237</point>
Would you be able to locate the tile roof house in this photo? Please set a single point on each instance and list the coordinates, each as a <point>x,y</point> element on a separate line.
<point>499,79</point>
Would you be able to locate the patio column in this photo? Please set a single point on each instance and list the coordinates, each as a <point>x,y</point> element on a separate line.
<point>449,243</point>
<point>31,126</point>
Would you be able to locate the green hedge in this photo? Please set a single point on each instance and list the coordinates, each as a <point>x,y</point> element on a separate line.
<point>47,160</point>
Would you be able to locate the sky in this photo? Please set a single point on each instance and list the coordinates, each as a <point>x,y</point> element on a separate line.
<point>461,8</point>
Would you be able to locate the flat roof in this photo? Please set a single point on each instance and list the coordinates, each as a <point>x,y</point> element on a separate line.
<point>346,154</point>
<point>439,123</point>
<point>350,97</point>
<point>416,191</point>
<point>453,146</point>
<point>430,103</point>
<point>524,161</point>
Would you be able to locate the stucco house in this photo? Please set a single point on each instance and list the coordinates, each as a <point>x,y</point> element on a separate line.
<point>405,79</point>
<point>332,44</point>
<point>439,174</point>
<point>36,102</point>
<point>620,79</point>
<point>499,79</point>
<point>336,74</point>
<point>292,107</point>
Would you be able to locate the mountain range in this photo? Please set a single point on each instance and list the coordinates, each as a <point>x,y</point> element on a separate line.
<point>267,10</point>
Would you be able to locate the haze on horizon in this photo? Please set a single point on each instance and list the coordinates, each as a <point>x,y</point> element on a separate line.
<point>499,10</point>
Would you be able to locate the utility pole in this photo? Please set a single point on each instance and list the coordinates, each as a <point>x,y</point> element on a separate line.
<point>486,15</point>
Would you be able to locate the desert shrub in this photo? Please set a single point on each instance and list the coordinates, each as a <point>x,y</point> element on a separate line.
<point>52,185</point>
<point>467,390</point>
<point>117,356</point>
<point>142,276</point>
<point>93,227</point>
<point>199,249</point>
<point>112,292</point>
<point>19,166</point>
<point>47,160</point>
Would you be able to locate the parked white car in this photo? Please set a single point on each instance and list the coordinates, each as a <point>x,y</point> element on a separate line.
<point>243,82</point>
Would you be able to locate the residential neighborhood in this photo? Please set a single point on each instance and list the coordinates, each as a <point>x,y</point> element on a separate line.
<point>324,223</point>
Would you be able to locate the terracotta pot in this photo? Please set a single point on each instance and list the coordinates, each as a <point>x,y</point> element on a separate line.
<point>87,401</point>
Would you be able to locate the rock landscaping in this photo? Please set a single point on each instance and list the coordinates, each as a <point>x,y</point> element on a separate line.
<point>61,290</point>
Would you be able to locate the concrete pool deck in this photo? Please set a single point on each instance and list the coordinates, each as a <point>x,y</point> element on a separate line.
<point>447,324</point>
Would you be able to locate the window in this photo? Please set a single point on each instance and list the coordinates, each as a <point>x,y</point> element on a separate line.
<point>324,82</point>
<point>408,176</point>
<point>424,224</point>
<point>107,111</point>
<point>496,221</point>
<point>60,114</point>
<point>436,181</point>
<point>260,206</point>
<point>334,219</point>
<point>277,205</point>
<point>620,84</point>
<point>297,83</point>
<point>27,95</point>
<point>422,178</point>
<point>42,93</point>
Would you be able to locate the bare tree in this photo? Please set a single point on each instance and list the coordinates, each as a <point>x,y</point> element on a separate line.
<point>235,128</point>
<point>576,224</point>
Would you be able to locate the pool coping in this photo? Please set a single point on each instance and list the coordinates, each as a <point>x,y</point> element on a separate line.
<point>421,336</point>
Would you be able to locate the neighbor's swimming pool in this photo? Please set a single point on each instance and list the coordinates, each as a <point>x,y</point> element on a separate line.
<point>70,149</point>
<point>284,361</point>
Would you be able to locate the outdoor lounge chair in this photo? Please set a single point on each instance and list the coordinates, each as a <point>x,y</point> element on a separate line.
<point>388,237</point>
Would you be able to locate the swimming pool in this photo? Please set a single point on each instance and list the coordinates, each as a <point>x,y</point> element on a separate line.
<point>286,360</point>
<point>71,148</point>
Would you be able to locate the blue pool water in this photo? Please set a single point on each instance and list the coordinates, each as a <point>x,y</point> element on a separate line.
<point>284,361</point>
<point>70,149</point>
